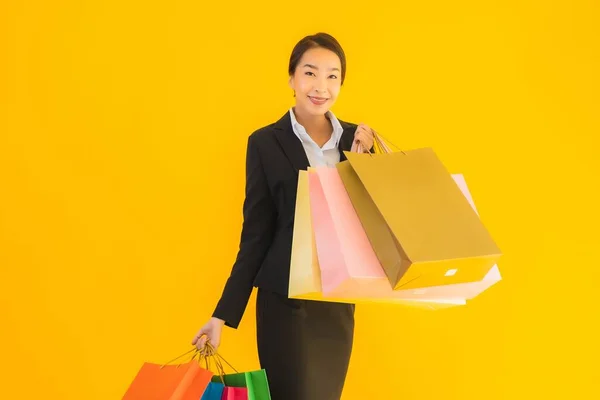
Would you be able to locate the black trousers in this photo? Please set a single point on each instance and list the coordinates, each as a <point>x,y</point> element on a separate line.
<point>304,346</point>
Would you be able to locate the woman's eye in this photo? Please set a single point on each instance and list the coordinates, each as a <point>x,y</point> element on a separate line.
<point>333,76</point>
<point>308,73</point>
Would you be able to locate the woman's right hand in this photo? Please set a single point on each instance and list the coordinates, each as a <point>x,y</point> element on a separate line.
<point>211,331</point>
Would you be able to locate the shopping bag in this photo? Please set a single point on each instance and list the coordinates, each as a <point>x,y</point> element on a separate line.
<point>235,393</point>
<point>186,381</point>
<point>347,261</point>
<point>349,266</point>
<point>331,248</point>
<point>214,391</point>
<point>437,237</point>
<point>255,382</point>
<point>305,275</point>
<point>466,291</point>
<point>304,264</point>
<point>253,385</point>
<point>463,291</point>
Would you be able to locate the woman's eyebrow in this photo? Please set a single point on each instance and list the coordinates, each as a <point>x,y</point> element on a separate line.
<point>314,67</point>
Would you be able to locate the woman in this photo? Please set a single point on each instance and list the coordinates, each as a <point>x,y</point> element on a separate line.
<point>304,346</point>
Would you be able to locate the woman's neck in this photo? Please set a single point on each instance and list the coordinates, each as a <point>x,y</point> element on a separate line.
<point>318,127</point>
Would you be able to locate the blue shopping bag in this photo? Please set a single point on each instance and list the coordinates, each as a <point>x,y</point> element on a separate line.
<point>214,391</point>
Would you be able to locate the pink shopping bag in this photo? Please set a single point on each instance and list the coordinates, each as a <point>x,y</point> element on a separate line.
<point>346,258</point>
<point>235,393</point>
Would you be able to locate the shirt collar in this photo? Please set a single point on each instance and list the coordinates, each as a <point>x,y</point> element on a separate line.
<point>301,133</point>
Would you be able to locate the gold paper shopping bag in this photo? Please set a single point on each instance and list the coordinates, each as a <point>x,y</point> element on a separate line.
<point>420,224</point>
<point>385,245</point>
<point>305,276</point>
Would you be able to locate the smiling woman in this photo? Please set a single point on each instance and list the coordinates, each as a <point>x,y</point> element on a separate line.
<point>316,79</point>
<point>304,346</point>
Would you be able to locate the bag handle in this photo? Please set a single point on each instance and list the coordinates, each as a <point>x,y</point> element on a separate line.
<point>379,144</point>
<point>195,350</point>
<point>209,352</point>
<point>212,352</point>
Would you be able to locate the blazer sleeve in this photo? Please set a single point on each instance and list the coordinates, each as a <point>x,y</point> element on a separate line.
<point>259,218</point>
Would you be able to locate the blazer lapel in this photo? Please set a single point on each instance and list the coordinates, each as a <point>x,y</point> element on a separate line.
<point>289,142</point>
<point>346,140</point>
<point>341,150</point>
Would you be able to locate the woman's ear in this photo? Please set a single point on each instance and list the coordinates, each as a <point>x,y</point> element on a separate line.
<point>291,84</point>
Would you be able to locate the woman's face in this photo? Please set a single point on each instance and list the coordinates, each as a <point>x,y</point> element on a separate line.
<point>317,81</point>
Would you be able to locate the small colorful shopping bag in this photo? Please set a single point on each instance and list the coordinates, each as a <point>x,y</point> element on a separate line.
<point>235,393</point>
<point>214,391</point>
<point>185,381</point>
<point>252,385</point>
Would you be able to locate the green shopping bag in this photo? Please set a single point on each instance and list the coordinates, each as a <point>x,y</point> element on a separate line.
<point>255,381</point>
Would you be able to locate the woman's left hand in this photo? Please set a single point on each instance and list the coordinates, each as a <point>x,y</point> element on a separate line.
<point>364,136</point>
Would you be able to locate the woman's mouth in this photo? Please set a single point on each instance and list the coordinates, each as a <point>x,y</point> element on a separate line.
<point>319,101</point>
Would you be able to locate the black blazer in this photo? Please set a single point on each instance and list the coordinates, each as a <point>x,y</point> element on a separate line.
<point>274,157</point>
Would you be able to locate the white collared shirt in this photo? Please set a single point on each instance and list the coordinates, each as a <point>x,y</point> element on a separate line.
<point>329,154</point>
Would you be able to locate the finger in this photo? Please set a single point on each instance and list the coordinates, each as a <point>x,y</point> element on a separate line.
<point>362,137</point>
<point>201,343</point>
<point>366,142</point>
<point>195,339</point>
<point>368,132</point>
<point>360,133</point>
<point>199,335</point>
<point>367,129</point>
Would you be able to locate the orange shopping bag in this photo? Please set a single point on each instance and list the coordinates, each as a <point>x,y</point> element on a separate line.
<point>186,381</point>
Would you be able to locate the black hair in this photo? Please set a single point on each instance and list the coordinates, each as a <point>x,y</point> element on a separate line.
<point>320,39</point>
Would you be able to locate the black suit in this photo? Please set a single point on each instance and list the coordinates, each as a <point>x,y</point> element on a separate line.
<point>303,345</point>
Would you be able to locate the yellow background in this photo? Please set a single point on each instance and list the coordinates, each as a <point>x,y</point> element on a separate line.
<point>123,128</point>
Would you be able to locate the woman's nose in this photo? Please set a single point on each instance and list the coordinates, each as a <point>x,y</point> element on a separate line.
<point>321,86</point>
